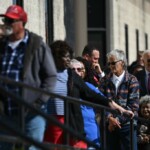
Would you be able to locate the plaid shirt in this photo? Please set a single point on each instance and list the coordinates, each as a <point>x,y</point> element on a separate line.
<point>127,94</point>
<point>12,66</point>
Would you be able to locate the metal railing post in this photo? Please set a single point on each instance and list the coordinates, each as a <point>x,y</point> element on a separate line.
<point>131,134</point>
<point>103,129</point>
<point>66,135</point>
<point>22,121</point>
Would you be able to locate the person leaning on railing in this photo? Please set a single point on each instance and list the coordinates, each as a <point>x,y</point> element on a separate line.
<point>123,88</point>
<point>71,84</point>
<point>83,68</point>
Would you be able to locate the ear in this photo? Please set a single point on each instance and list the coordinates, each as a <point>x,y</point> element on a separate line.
<point>86,56</point>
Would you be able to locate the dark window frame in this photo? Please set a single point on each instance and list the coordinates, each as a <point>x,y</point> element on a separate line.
<point>100,28</point>
<point>137,41</point>
<point>146,41</point>
<point>20,3</point>
<point>49,22</point>
<point>126,28</point>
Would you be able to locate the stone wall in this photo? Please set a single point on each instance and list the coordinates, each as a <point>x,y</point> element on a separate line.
<point>136,14</point>
<point>36,16</point>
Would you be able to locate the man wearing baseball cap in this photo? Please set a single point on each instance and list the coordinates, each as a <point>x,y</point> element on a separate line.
<point>25,58</point>
<point>15,12</point>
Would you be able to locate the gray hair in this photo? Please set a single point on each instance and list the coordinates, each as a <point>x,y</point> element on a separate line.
<point>144,99</point>
<point>75,61</point>
<point>119,55</point>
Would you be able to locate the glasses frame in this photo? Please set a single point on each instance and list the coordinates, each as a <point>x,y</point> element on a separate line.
<point>79,69</point>
<point>9,20</point>
<point>113,63</point>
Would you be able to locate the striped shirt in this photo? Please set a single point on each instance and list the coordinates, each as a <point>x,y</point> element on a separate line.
<point>56,105</point>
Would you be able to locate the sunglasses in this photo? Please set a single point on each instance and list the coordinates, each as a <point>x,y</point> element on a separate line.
<point>113,63</point>
<point>78,69</point>
<point>9,21</point>
<point>148,60</point>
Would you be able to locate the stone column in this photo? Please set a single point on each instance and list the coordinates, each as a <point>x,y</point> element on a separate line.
<point>80,16</point>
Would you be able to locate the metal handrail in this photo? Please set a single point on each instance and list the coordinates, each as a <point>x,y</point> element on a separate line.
<point>20,101</point>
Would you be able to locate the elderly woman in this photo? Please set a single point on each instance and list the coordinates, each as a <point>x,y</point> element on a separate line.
<point>122,87</point>
<point>144,127</point>
<point>83,68</point>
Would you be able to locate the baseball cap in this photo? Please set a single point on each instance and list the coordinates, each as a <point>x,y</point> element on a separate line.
<point>15,12</point>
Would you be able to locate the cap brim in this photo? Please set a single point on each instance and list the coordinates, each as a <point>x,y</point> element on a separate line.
<point>12,16</point>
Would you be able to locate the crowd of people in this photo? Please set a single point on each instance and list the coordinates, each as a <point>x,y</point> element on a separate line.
<point>25,57</point>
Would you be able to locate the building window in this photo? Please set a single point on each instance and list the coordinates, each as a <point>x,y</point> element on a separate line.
<point>146,41</point>
<point>137,40</point>
<point>49,21</point>
<point>14,2</point>
<point>126,42</point>
<point>97,26</point>
<point>18,2</point>
<point>96,8</point>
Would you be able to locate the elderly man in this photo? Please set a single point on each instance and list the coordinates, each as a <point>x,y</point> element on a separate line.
<point>124,89</point>
<point>143,76</point>
<point>26,58</point>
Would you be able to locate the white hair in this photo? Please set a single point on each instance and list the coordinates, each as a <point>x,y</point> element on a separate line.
<point>75,61</point>
<point>118,54</point>
<point>145,99</point>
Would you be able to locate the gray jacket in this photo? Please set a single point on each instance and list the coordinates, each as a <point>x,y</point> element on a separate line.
<point>38,69</point>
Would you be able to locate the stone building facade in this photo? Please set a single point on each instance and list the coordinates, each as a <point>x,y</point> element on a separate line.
<point>110,24</point>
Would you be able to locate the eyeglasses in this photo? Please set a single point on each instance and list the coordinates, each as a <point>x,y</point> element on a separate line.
<point>78,69</point>
<point>9,21</point>
<point>113,63</point>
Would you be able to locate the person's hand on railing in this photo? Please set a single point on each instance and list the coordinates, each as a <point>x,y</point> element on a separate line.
<point>122,111</point>
<point>113,123</point>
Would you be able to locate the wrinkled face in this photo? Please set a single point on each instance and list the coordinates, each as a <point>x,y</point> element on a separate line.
<point>16,25</point>
<point>146,60</point>
<point>145,110</point>
<point>116,66</point>
<point>79,69</point>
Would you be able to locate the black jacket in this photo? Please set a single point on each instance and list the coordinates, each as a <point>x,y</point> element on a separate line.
<point>141,76</point>
<point>78,89</point>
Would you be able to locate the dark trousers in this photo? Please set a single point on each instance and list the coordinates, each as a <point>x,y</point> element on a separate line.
<point>119,139</point>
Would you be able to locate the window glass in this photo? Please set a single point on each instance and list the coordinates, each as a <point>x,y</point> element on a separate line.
<point>98,38</point>
<point>96,13</point>
<point>14,2</point>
